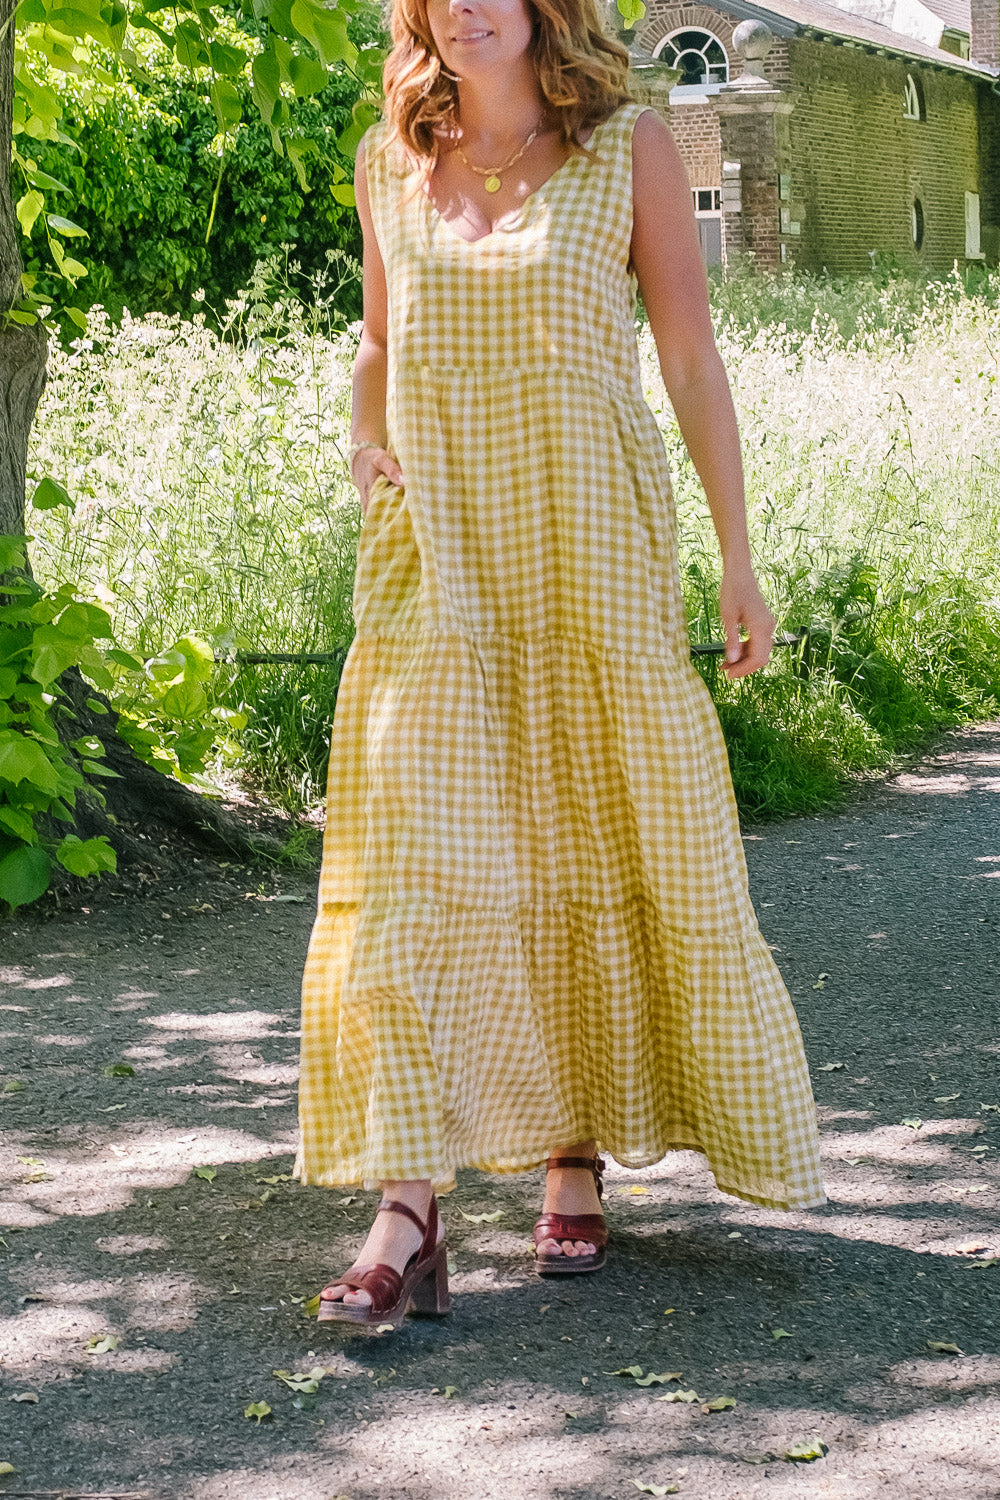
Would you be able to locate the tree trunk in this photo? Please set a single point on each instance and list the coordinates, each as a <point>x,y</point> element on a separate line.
<point>144,805</point>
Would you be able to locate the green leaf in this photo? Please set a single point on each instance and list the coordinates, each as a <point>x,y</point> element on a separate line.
<point>185,700</point>
<point>634,1370</point>
<point>686,1396</point>
<point>24,875</point>
<point>126,659</point>
<point>631,11</point>
<point>78,317</point>
<point>12,553</point>
<point>482,1218</point>
<point>49,493</point>
<point>780,1333</point>
<point>53,653</point>
<point>8,681</point>
<point>102,1343</point>
<point>326,29</point>
<point>308,76</point>
<point>297,1381</point>
<point>258,1409</point>
<point>119,1070</point>
<point>720,1403</point>
<point>663,1379</point>
<point>645,1488</point>
<point>28,209</point>
<point>266,83</point>
<point>207,1174</point>
<point>24,759</point>
<point>343,192</point>
<point>228,109</point>
<point>96,706</point>
<point>18,823</point>
<point>65,226</point>
<point>912,1122</point>
<point>804,1453</point>
<point>86,856</point>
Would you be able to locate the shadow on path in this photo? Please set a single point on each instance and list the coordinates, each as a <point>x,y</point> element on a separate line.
<point>819,1325</point>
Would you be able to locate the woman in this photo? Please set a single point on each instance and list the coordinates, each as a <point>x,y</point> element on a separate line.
<point>534,933</point>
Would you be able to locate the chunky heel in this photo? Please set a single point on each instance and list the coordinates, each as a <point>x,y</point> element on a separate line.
<point>431,1298</point>
<point>421,1288</point>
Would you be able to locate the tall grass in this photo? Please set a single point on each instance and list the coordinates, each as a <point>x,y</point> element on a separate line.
<point>212,496</point>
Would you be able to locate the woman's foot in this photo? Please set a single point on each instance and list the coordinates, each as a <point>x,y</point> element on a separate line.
<point>393,1239</point>
<point>570,1190</point>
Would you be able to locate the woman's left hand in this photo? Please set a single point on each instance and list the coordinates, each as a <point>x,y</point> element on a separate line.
<point>742,603</point>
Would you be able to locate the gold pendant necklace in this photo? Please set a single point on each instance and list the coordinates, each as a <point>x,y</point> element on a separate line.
<point>492,174</point>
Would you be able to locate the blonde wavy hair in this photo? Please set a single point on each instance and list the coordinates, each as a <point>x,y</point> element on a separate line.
<point>583,74</point>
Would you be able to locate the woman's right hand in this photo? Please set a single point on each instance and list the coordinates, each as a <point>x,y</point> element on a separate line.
<point>368,464</point>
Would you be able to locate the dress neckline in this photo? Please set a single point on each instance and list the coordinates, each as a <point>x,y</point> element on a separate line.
<point>509,221</point>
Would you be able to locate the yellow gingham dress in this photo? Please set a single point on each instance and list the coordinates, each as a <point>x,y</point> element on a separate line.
<point>534,924</point>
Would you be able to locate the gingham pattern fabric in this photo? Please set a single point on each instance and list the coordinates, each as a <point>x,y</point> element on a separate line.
<point>534,925</point>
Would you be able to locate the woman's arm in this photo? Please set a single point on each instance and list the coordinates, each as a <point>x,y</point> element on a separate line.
<point>671,273</point>
<point>370,365</point>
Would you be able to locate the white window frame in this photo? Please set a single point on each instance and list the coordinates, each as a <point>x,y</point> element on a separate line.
<point>911,99</point>
<point>973,232</point>
<point>709,36</point>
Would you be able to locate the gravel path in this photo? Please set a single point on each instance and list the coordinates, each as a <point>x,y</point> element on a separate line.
<point>820,1326</point>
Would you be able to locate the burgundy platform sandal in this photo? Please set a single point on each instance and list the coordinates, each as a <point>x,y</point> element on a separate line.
<point>590,1228</point>
<point>422,1288</point>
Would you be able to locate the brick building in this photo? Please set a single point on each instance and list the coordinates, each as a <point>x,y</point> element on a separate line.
<point>816,134</point>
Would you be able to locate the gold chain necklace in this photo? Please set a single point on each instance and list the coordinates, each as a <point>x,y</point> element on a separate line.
<point>492,174</point>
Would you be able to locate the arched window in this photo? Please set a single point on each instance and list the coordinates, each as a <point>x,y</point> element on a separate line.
<point>700,56</point>
<point>917,224</point>
<point>913,99</point>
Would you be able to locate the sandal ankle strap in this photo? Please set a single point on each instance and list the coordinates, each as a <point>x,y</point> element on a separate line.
<point>427,1229</point>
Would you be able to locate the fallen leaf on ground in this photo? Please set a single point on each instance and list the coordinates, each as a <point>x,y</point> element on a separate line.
<point>990,1109</point>
<point>119,1070</point>
<point>634,1370</point>
<point>273,1181</point>
<point>13,1086</point>
<point>688,1396</point>
<point>346,1202</point>
<point>297,1381</point>
<point>571,1414</point>
<point>821,982</point>
<point>668,1310</point>
<point>207,1174</point>
<point>735,1235</point>
<point>804,1453</point>
<point>311,1307</point>
<point>663,1379</point>
<point>780,1333</point>
<point>655,1489</point>
<point>635,1191</point>
<point>946,1098</point>
<point>940,1348</point>
<point>759,1458</point>
<point>830,1067</point>
<point>981,1265</point>
<point>30,1396</point>
<point>6,1468</point>
<point>102,1343</point>
<point>447,1392</point>
<point>108,1109</point>
<point>30,1161</point>
<point>386,1328</point>
<point>854,1161</point>
<point>912,1122</point>
<point>720,1403</point>
<point>482,1218</point>
<point>258,1409</point>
